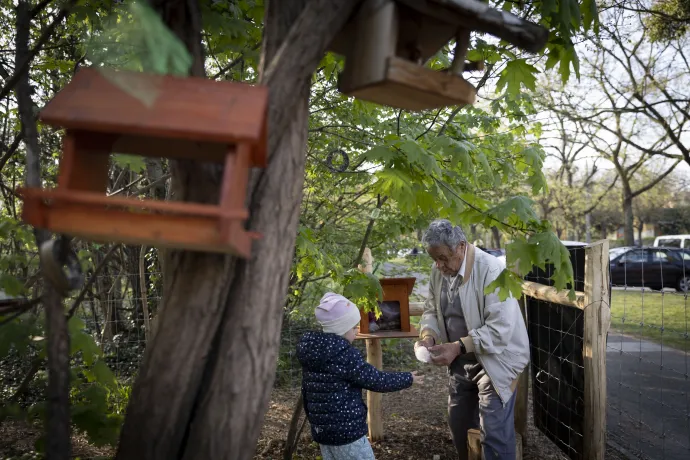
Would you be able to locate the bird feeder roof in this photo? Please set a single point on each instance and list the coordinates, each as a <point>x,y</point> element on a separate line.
<point>189,108</point>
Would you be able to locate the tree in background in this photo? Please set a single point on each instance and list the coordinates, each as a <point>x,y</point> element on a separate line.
<point>632,107</point>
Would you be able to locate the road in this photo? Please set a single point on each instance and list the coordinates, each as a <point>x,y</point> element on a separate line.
<point>648,398</point>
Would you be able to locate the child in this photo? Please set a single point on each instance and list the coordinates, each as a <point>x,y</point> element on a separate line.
<point>333,376</point>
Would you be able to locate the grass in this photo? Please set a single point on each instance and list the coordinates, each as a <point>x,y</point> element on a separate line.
<point>653,316</point>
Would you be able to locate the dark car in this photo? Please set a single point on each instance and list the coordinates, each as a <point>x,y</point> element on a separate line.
<point>652,267</point>
<point>494,252</point>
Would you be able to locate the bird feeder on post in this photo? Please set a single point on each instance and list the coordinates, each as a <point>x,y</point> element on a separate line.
<point>395,309</point>
<point>387,42</point>
<point>190,119</point>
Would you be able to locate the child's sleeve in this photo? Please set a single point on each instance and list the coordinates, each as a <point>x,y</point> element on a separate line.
<point>364,375</point>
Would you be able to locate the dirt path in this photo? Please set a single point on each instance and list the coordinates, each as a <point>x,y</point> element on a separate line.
<point>414,426</point>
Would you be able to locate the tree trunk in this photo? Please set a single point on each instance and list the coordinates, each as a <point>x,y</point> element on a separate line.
<point>640,229</point>
<point>604,232</point>
<point>628,228</point>
<point>496,237</point>
<point>205,382</point>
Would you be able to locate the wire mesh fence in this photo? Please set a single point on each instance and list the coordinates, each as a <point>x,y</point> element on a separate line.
<point>647,352</point>
<point>557,363</point>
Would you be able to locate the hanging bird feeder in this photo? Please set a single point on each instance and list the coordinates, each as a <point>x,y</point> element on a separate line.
<point>190,119</point>
<point>387,42</point>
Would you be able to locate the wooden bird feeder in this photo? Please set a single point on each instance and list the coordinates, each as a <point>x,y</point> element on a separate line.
<point>387,42</point>
<point>395,321</point>
<point>191,119</point>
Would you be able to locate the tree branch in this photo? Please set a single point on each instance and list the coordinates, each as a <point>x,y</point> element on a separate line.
<point>22,66</point>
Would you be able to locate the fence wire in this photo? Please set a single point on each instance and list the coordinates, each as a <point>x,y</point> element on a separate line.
<point>557,366</point>
<point>648,409</point>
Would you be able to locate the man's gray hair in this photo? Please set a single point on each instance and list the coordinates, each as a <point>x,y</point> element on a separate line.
<point>442,232</point>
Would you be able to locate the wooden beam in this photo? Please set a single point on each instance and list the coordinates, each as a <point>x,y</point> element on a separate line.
<point>551,294</point>
<point>479,16</point>
<point>597,316</point>
<point>416,308</point>
<point>375,358</point>
<point>532,289</point>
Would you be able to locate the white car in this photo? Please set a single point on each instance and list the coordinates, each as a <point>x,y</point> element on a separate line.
<point>673,241</point>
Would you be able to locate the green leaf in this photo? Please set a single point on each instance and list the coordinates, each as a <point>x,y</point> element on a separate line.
<point>521,254</point>
<point>569,56</point>
<point>548,7</point>
<point>484,163</point>
<point>134,163</point>
<point>364,289</point>
<point>507,284</point>
<point>517,206</point>
<point>10,286</point>
<point>103,374</point>
<point>590,15</point>
<point>413,151</point>
<point>380,153</point>
<point>517,73</point>
<point>81,341</point>
<point>551,250</point>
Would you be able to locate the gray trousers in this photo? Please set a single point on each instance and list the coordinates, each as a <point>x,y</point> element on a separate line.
<point>473,403</point>
<point>357,450</point>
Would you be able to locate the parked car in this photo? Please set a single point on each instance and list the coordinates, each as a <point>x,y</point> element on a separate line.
<point>494,252</point>
<point>652,267</point>
<point>673,241</point>
<point>566,243</point>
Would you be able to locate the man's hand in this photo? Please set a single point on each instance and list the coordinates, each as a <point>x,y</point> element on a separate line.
<point>427,342</point>
<point>443,355</point>
<point>418,379</point>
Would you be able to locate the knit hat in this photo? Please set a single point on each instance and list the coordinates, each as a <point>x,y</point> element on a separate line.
<point>337,314</point>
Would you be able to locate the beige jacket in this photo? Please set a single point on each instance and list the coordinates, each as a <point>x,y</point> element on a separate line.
<point>497,331</point>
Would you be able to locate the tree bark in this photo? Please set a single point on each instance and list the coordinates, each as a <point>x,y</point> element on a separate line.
<point>496,237</point>
<point>640,228</point>
<point>629,227</point>
<point>205,382</point>
<point>58,433</point>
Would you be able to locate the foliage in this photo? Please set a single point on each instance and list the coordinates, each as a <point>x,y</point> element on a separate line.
<point>92,385</point>
<point>479,166</point>
<point>668,20</point>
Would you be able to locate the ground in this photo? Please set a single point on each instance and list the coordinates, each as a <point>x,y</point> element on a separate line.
<point>414,426</point>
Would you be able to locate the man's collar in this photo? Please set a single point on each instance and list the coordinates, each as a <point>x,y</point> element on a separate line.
<point>461,272</point>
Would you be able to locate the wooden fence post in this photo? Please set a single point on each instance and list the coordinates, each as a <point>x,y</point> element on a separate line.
<point>597,318</point>
<point>375,358</point>
<point>521,401</point>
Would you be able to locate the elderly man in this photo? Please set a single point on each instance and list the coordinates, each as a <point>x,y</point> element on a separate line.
<point>482,340</point>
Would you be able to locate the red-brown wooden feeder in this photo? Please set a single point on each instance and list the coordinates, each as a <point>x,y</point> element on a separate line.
<point>395,306</point>
<point>191,119</point>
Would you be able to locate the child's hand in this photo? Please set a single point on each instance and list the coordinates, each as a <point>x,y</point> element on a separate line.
<point>418,379</point>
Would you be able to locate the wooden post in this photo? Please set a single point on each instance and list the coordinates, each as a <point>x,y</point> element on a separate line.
<point>375,415</point>
<point>474,445</point>
<point>522,389</point>
<point>597,318</point>
<point>375,358</point>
